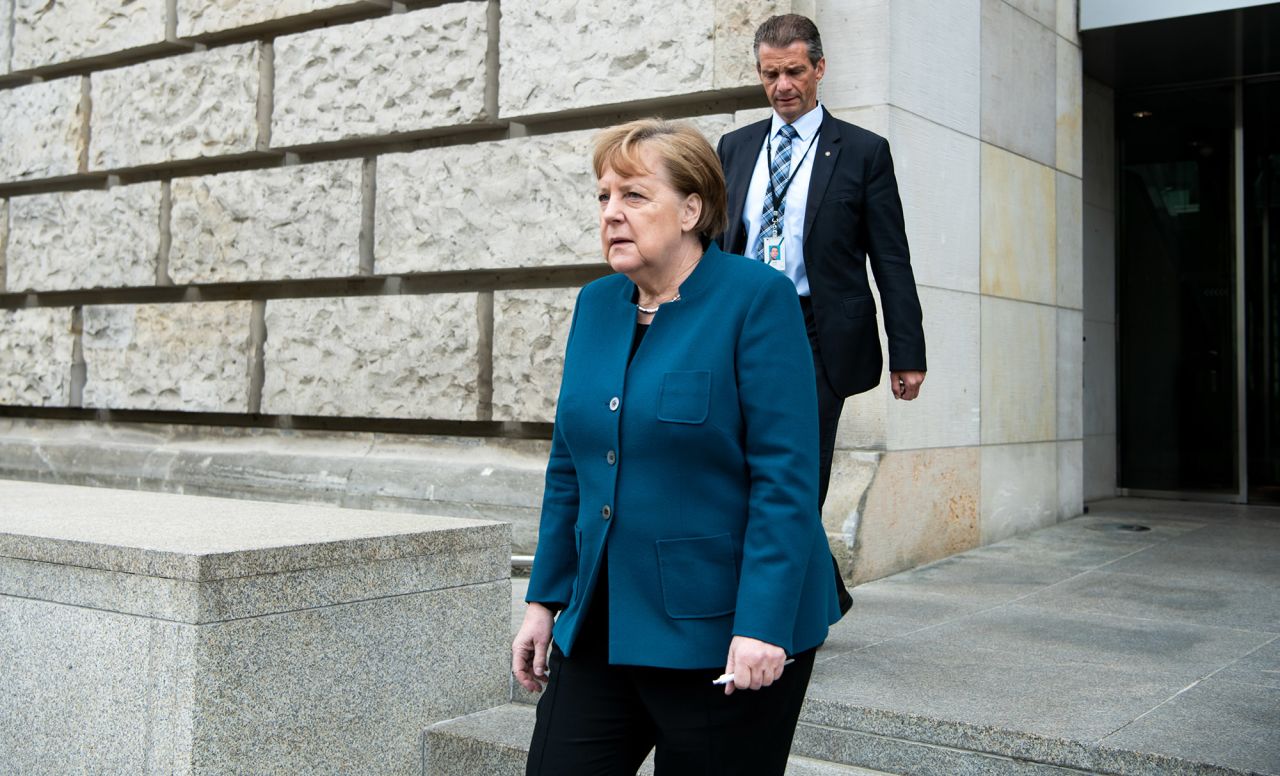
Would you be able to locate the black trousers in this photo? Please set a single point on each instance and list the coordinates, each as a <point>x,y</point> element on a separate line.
<point>596,719</point>
<point>830,404</point>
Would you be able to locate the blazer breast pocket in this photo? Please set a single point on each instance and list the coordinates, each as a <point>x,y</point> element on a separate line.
<point>699,576</point>
<point>685,397</point>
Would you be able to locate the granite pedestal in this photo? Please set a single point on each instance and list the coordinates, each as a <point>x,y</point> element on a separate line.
<point>158,633</point>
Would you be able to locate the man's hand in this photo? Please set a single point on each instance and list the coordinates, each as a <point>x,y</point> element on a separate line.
<point>753,663</point>
<point>905,385</point>
<point>529,649</point>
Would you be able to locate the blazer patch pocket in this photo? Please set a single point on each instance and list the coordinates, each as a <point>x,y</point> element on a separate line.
<point>699,576</point>
<point>685,397</point>
<point>858,306</point>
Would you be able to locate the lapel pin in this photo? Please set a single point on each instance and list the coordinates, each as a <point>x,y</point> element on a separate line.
<point>828,153</point>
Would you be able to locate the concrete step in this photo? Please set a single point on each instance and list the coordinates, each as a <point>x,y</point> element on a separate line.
<point>495,743</point>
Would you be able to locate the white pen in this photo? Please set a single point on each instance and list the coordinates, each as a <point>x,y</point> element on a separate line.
<point>726,678</point>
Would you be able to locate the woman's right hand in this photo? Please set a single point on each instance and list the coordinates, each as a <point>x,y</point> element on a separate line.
<point>529,649</point>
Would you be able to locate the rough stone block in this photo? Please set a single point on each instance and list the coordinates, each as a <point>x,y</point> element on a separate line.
<point>46,32</point>
<point>43,133</point>
<point>1070,374</point>
<point>542,186</point>
<point>564,55</point>
<point>84,239</point>
<point>1019,227</point>
<point>286,222</point>
<point>400,73</point>
<point>1070,101</point>
<point>37,343</point>
<point>186,357</point>
<point>1019,489</point>
<point>200,17</point>
<point>1070,479</point>
<point>335,668</point>
<point>1019,372</point>
<point>1019,60</point>
<point>387,356</point>
<point>530,328</point>
<point>1070,228</point>
<point>852,473</point>
<point>937,170</point>
<point>922,506</point>
<point>185,107</point>
<point>946,414</point>
<point>6,36</point>
<point>1099,378</point>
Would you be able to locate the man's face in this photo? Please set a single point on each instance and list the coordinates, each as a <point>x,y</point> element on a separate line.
<point>790,81</point>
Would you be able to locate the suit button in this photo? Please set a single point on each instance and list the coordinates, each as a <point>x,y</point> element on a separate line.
<point>613,404</point>
<point>611,457</point>
<point>606,512</point>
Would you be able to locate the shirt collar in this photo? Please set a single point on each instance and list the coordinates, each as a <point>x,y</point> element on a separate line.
<point>805,126</point>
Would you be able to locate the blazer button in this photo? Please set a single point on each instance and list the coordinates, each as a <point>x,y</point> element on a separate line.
<point>611,457</point>
<point>606,512</point>
<point>613,404</point>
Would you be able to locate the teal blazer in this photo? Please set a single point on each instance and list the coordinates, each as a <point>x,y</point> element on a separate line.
<point>695,469</point>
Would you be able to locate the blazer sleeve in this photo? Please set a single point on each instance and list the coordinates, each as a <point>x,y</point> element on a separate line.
<point>890,257</point>
<point>780,419</point>
<point>555,561</point>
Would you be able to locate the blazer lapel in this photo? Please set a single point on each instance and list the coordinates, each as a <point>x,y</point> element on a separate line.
<point>739,180</point>
<point>824,161</point>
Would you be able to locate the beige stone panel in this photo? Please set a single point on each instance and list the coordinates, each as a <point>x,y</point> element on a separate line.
<point>947,411</point>
<point>1019,62</point>
<point>1099,146</point>
<point>286,222</point>
<point>1099,264</point>
<point>383,356</point>
<point>186,107</point>
<point>185,357</point>
<point>1019,489</point>
<point>1069,257</point>
<point>1099,378</point>
<point>852,473</point>
<point>1019,227</point>
<point>46,32</point>
<point>37,345</point>
<point>1070,479</point>
<point>42,134</point>
<point>1068,25</point>
<point>735,27</point>
<point>935,61</point>
<point>523,202</point>
<point>1099,466</point>
<point>1019,372</point>
<point>922,506</point>
<point>1070,109</point>
<point>1070,374</point>
<point>84,239</point>
<point>530,329</point>
<point>200,17</point>
<point>857,75</point>
<point>1043,11</point>
<point>562,54</point>
<point>399,73</point>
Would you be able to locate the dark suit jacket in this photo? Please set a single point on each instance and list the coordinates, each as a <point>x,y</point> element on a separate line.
<point>694,468</point>
<point>853,213</point>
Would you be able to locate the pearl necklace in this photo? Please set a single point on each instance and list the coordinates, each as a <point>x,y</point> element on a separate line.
<point>654,309</point>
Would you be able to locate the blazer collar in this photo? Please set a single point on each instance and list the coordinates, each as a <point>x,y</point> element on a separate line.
<point>824,161</point>
<point>702,277</point>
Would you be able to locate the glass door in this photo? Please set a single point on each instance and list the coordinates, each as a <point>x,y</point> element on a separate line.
<point>1262,286</point>
<point>1175,292</point>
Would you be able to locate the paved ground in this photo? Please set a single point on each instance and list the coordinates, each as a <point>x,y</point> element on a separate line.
<point>1078,640</point>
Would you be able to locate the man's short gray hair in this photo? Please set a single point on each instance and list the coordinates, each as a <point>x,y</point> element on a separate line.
<point>782,31</point>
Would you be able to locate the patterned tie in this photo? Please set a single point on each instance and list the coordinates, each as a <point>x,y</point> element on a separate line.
<point>779,172</point>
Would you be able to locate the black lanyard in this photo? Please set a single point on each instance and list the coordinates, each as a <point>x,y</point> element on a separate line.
<point>779,198</point>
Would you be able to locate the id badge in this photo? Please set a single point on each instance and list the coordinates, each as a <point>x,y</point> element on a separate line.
<point>773,255</point>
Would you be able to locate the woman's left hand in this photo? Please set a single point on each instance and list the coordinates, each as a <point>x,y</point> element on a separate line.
<point>753,663</point>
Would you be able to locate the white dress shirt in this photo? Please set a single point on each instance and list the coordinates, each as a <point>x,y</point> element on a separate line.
<point>797,197</point>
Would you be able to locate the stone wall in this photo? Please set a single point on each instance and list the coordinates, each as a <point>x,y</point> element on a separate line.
<point>373,216</point>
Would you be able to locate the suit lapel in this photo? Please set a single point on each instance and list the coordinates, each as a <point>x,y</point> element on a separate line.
<point>739,180</point>
<point>824,161</point>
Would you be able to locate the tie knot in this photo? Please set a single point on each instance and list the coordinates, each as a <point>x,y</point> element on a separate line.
<point>788,132</point>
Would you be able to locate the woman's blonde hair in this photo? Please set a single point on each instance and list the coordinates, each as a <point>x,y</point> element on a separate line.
<point>690,164</point>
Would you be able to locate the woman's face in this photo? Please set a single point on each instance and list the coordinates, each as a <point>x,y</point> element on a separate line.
<point>643,220</point>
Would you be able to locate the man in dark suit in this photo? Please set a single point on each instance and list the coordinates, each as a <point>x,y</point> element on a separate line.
<point>818,201</point>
